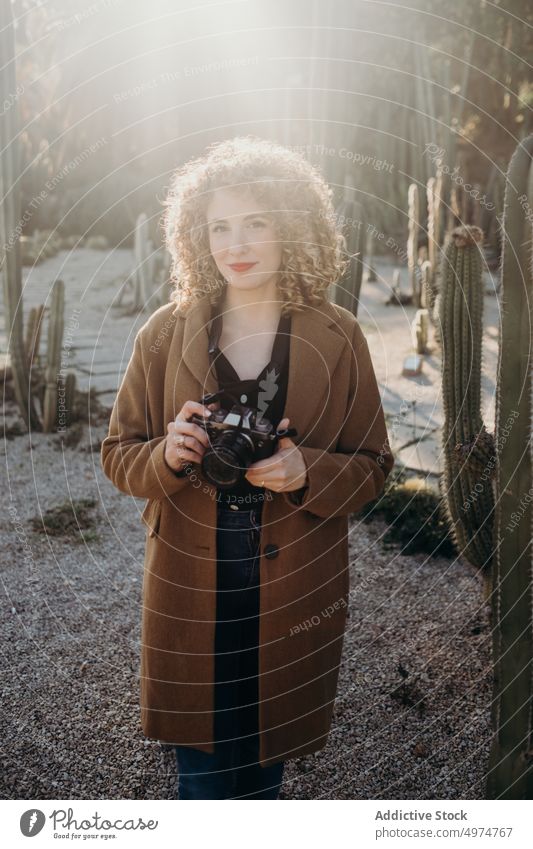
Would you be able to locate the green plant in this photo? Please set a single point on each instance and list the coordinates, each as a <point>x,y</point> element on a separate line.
<point>415,516</point>
<point>66,519</point>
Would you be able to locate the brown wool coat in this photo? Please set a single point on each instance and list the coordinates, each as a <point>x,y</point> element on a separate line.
<point>333,401</point>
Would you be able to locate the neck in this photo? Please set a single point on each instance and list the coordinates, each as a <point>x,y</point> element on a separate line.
<point>252,306</point>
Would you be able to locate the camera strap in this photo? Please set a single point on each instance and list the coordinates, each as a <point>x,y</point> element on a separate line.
<point>278,360</point>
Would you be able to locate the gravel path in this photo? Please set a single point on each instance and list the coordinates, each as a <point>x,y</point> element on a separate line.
<point>412,718</point>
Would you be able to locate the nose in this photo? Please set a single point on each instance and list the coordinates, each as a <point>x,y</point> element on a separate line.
<point>238,249</point>
<point>238,241</point>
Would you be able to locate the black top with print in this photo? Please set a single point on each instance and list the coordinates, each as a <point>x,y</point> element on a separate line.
<point>267,393</point>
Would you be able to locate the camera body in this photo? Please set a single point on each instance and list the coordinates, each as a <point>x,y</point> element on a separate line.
<point>237,438</point>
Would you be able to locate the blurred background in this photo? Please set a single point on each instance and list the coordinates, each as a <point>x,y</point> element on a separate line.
<point>151,84</point>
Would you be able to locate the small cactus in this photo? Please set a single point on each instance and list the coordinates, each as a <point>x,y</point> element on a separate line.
<point>419,331</point>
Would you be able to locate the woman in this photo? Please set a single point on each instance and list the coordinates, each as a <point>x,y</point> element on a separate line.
<point>246,583</point>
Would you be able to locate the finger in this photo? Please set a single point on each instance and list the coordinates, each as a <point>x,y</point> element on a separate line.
<point>260,479</point>
<point>191,443</point>
<point>191,429</point>
<point>268,482</point>
<point>191,407</point>
<point>191,447</point>
<point>284,423</point>
<point>269,464</point>
<point>264,469</point>
<point>183,454</point>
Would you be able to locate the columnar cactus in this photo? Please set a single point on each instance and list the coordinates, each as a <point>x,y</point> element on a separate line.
<point>434,208</point>
<point>467,492</point>
<point>70,398</point>
<point>370,276</point>
<point>510,773</point>
<point>412,242</point>
<point>53,360</point>
<point>10,217</point>
<point>427,292</point>
<point>419,331</point>
<point>33,335</point>
<point>347,291</point>
<point>143,250</point>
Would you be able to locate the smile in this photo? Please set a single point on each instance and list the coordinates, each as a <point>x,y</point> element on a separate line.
<point>242,266</point>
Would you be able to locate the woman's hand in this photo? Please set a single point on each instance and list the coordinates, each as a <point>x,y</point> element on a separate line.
<point>285,471</point>
<point>185,441</point>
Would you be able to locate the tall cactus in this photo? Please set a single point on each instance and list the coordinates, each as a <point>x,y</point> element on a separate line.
<point>370,276</point>
<point>510,774</point>
<point>468,495</point>
<point>347,292</point>
<point>143,251</point>
<point>427,292</point>
<point>70,398</point>
<point>33,335</point>
<point>53,362</point>
<point>10,217</point>
<point>412,242</point>
<point>434,210</point>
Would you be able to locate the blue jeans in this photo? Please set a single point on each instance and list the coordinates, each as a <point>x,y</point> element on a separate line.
<point>233,771</point>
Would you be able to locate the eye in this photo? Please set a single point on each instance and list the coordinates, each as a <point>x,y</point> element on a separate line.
<point>217,227</point>
<point>258,223</point>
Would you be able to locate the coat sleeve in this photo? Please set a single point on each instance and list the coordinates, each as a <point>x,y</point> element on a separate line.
<point>341,482</point>
<point>133,461</point>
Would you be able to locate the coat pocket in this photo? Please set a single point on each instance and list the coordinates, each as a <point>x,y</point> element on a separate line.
<point>151,515</point>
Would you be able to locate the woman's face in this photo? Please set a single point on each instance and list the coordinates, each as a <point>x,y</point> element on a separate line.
<point>242,239</point>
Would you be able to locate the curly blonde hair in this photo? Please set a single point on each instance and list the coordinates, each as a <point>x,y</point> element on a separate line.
<point>283,182</point>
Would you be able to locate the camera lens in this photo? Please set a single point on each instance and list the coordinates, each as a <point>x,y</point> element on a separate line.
<point>225,462</point>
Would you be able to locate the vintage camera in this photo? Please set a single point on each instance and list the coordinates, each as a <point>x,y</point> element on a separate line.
<point>237,438</point>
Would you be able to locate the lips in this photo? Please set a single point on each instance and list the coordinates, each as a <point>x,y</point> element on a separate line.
<point>242,266</point>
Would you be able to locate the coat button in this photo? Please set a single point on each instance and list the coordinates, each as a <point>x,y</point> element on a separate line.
<point>270,551</point>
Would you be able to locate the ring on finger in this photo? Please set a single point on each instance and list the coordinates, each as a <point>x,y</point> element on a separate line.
<point>180,441</point>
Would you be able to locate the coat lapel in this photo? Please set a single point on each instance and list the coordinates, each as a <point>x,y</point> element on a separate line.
<point>316,345</point>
